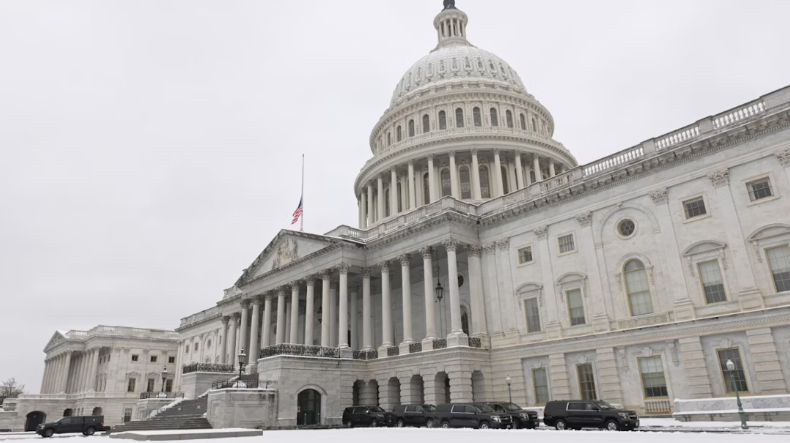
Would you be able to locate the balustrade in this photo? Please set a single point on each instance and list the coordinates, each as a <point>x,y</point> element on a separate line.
<point>738,114</point>
<point>207,367</point>
<point>415,347</point>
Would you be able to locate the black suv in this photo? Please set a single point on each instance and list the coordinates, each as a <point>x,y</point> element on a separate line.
<point>469,415</point>
<point>577,414</point>
<point>520,417</point>
<point>372,416</point>
<point>413,415</point>
<point>88,425</point>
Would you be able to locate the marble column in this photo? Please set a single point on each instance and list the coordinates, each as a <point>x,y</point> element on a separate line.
<point>367,327</point>
<point>224,356</point>
<point>479,327</point>
<point>519,172</point>
<point>279,336</point>
<point>552,324</point>
<point>245,318</point>
<point>255,348</point>
<point>412,188</point>
<point>363,209</point>
<point>353,317</point>
<point>44,377</point>
<point>476,193</point>
<point>95,369</point>
<point>552,172</point>
<point>408,336</point>
<point>386,309</point>
<point>454,177</point>
<point>430,315</point>
<point>66,368</point>
<point>536,166</point>
<point>309,312</point>
<point>266,334</point>
<point>380,203</point>
<point>333,313</point>
<point>234,322</point>
<point>342,333</point>
<point>456,331</point>
<point>431,180</point>
<point>325,277</point>
<point>371,218</point>
<point>600,319</point>
<point>294,313</point>
<point>784,160</point>
<point>393,192</point>
<point>497,176</point>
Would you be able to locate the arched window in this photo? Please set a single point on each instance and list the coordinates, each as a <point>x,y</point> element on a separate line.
<point>442,120</point>
<point>400,198</point>
<point>485,190</point>
<point>466,184</point>
<point>534,126</point>
<point>411,128</point>
<point>426,124</point>
<point>389,139</point>
<point>509,118</point>
<point>459,118</point>
<point>447,188</point>
<point>399,133</point>
<point>523,122</point>
<point>386,202</point>
<point>426,189</point>
<point>505,188</point>
<point>638,289</point>
<point>476,114</point>
<point>494,117</point>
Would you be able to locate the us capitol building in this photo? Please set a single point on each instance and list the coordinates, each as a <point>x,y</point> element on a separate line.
<point>485,260</point>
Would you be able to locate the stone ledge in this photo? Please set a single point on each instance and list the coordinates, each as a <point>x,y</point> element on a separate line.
<point>197,434</point>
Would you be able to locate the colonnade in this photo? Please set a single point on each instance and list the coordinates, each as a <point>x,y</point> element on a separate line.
<point>71,372</point>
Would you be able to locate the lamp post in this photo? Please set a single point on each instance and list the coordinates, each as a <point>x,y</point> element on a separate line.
<point>741,414</point>
<point>242,360</point>
<point>164,379</point>
<point>439,292</point>
<point>509,392</point>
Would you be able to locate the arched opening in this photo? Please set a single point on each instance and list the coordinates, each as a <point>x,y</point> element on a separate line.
<point>465,320</point>
<point>534,126</point>
<point>477,117</point>
<point>68,412</point>
<point>426,189</point>
<point>442,120</point>
<point>417,389</point>
<point>33,419</point>
<point>426,124</point>
<point>400,197</point>
<point>399,133</point>
<point>485,189</point>
<point>447,188</point>
<point>494,117</point>
<point>356,392</point>
<point>411,128</point>
<point>386,202</point>
<point>369,393</point>
<point>97,411</point>
<point>447,394</point>
<point>389,139</point>
<point>523,122</point>
<point>393,393</point>
<point>442,383</point>
<point>308,408</point>
<point>478,386</point>
<point>509,119</point>
<point>505,187</point>
<point>466,185</point>
<point>459,118</point>
<point>636,285</point>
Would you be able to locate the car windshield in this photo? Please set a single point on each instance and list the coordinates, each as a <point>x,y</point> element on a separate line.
<point>376,409</point>
<point>484,408</point>
<point>512,407</point>
<point>429,408</point>
<point>603,405</point>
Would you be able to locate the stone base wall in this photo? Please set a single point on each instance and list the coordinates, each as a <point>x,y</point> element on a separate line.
<point>196,384</point>
<point>243,408</point>
<point>10,420</point>
<point>145,407</point>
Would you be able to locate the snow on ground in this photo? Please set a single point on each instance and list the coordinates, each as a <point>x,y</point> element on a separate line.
<point>669,423</point>
<point>382,435</point>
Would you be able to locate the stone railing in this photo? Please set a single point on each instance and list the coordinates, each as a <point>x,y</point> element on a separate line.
<point>613,161</point>
<point>658,407</point>
<point>393,351</point>
<point>738,114</point>
<point>207,367</point>
<point>155,395</point>
<point>122,331</point>
<point>235,384</point>
<point>415,347</point>
<point>440,343</point>
<point>300,350</point>
<point>677,137</point>
<point>475,342</point>
<point>208,314</point>
<point>365,355</point>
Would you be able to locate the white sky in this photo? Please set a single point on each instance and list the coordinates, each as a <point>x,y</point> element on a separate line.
<point>150,149</point>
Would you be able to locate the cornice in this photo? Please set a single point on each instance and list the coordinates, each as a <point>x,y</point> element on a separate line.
<point>401,233</point>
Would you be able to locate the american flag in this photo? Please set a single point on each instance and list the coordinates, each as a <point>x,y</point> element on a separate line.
<point>297,213</point>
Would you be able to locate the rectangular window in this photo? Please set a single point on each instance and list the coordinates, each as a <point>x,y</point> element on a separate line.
<point>150,386</point>
<point>525,255</point>
<point>131,385</point>
<point>735,378</point>
<point>694,207</point>
<point>154,358</point>
<point>779,261</point>
<point>653,381</point>
<point>712,283</point>
<point>135,358</point>
<point>759,189</point>
<point>586,381</point>
<point>171,359</point>
<point>575,307</point>
<point>566,243</point>
<point>541,383</point>
<point>533,314</point>
<point>196,346</point>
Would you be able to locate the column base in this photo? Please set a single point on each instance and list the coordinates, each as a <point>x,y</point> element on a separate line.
<point>457,340</point>
<point>403,348</point>
<point>251,369</point>
<point>383,350</point>
<point>684,310</point>
<point>346,352</point>
<point>554,331</point>
<point>427,344</point>
<point>485,340</point>
<point>750,299</point>
<point>601,323</point>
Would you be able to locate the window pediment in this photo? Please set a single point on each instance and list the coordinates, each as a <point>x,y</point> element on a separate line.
<point>703,247</point>
<point>571,277</point>
<point>770,231</point>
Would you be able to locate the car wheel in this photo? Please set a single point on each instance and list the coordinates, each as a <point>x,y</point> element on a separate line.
<point>446,424</point>
<point>484,425</point>
<point>516,424</point>
<point>348,424</point>
<point>400,423</point>
<point>429,423</point>
<point>374,424</point>
<point>561,425</point>
<point>90,431</point>
<point>612,425</point>
<point>48,432</point>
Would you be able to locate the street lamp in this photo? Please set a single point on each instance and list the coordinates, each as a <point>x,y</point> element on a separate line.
<point>242,360</point>
<point>439,292</point>
<point>509,392</point>
<point>741,414</point>
<point>164,379</point>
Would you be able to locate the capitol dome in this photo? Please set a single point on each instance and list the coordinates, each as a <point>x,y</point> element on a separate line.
<point>460,124</point>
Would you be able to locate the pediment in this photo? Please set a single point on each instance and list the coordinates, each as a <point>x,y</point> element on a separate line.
<point>703,247</point>
<point>571,277</point>
<point>286,248</point>
<point>774,230</point>
<point>57,338</point>
<point>529,287</point>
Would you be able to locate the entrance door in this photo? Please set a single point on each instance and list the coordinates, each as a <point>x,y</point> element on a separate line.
<point>309,404</point>
<point>34,419</point>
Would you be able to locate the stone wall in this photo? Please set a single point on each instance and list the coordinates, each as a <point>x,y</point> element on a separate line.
<point>243,408</point>
<point>195,384</point>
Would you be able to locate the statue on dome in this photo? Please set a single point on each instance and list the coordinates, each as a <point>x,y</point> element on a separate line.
<point>449,4</point>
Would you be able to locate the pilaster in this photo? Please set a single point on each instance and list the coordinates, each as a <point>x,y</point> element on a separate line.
<point>767,365</point>
<point>460,386</point>
<point>694,368</point>
<point>609,376</point>
<point>558,374</point>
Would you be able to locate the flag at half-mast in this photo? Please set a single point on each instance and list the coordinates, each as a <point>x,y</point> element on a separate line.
<point>297,213</point>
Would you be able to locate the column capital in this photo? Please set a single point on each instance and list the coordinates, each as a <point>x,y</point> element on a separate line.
<point>236,316</point>
<point>503,244</point>
<point>784,157</point>
<point>451,153</point>
<point>475,151</point>
<point>426,252</point>
<point>366,272</point>
<point>450,244</point>
<point>326,274</point>
<point>474,250</point>
<point>281,291</point>
<point>384,267</point>
<point>404,259</point>
<point>541,232</point>
<point>296,284</point>
<point>225,320</point>
<point>309,281</point>
<point>496,151</point>
<point>584,219</point>
<point>411,162</point>
<point>720,178</point>
<point>245,303</point>
<point>659,196</point>
<point>256,301</point>
<point>429,157</point>
<point>343,268</point>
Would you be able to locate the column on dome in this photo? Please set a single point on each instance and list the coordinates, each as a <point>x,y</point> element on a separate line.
<point>224,356</point>
<point>511,175</point>
<point>476,193</point>
<point>367,327</point>
<point>527,178</point>
<point>497,175</point>
<point>386,310</point>
<point>255,348</point>
<point>342,334</point>
<point>479,327</point>
<point>309,311</point>
<point>294,336</point>
<point>430,315</point>
<point>370,217</point>
<point>279,337</point>
<point>552,171</point>
<point>266,334</point>
<point>361,206</point>
<point>412,187</point>
<point>333,313</point>
<point>454,177</point>
<point>393,192</point>
<point>353,309</point>
<point>408,336</point>
<point>538,174</point>
<point>431,180</point>
<point>325,279</point>
<point>380,196</point>
<point>519,172</point>
<point>245,318</point>
<point>457,336</point>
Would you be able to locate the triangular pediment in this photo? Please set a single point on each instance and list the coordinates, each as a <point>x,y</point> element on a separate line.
<point>57,338</point>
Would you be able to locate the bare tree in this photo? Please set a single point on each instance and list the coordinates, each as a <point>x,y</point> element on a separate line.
<point>10,389</point>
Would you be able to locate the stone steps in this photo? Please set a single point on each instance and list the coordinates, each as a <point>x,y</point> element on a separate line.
<point>188,414</point>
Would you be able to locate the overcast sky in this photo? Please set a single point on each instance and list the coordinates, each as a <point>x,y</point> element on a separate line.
<point>150,149</point>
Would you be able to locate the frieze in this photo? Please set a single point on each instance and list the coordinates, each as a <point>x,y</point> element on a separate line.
<point>474,250</point>
<point>584,219</point>
<point>643,321</point>
<point>720,178</point>
<point>659,196</point>
<point>541,232</point>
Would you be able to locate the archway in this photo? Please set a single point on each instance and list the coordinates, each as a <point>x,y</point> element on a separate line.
<point>33,419</point>
<point>97,411</point>
<point>68,412</point>
<point>356,392</point>
<point>465,319</point>
<point>393,393</point>
<point>309,408</point>
<point>442,384</point>
<point>478,386</point>
<point>417,389</point>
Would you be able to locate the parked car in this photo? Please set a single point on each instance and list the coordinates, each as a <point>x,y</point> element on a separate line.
<point>469,415</point>
<point>371,416</point>
<point>87,425</point>
<point>577,414</point>
<point>520,417</point>
<point>413,415</point>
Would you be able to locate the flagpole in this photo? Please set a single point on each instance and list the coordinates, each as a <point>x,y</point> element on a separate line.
<point>301,225</point>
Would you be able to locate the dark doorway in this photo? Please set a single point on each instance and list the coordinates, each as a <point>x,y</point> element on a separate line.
<point>68,412</point>
<point>465,321</point>
<point>309,408</point>
<point>34,419</point>
<point>97,411</point>
<point>447,398</point>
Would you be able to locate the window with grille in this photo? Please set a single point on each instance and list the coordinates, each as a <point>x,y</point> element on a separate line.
<point>485,190</point>
<point>694,207</point>
<point>653,381</point>
<point>135,358</point>
<point>541,382</point>
<point>712,283</point>
<point>399,133</point>
<point>171,359</point>
<point>575,307</point>
<point>494,117</point>
<point>525,255</point>
<point>509,118</point>
<point>154,358</point>
<point>586,381</point>
<point>446,185</point>
<point>411,128</point>
<point>779,261</point>
<point>131,385</point>
<point>735,379</point>
<point>426,123</point>
<point>638,288</point>
<point>532,313</point>
<point>442,120</point>
<point>150,387</point>
<point>466,185</point>
<point>566,243</point>
<point>759,189</point>
<point>389,139</point>
<point>459,118</point>
<point>478,120</point>
<point>523,122</point>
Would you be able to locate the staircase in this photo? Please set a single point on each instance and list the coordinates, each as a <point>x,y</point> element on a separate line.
<point>186,415</point>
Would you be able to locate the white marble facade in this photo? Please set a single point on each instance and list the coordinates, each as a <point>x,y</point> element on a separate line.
<point>624,279</point>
